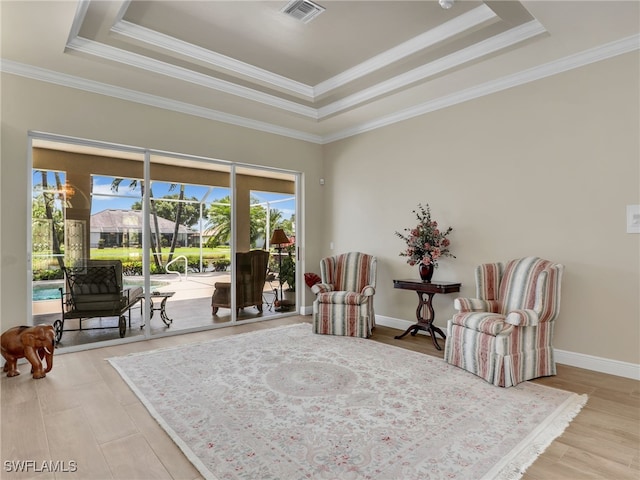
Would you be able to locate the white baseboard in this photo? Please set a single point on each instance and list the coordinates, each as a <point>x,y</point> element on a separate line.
<point>573,359</point>
<point>598,364</point>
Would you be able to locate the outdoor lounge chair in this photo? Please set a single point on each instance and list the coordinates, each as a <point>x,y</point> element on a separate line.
<point>251,273</point>
<point>94,289</point>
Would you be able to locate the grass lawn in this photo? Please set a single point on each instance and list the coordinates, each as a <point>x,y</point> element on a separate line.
<point>127,254</point>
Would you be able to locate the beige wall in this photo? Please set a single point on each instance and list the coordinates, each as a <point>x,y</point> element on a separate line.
<point>544,169</point>
<point>32,105</point>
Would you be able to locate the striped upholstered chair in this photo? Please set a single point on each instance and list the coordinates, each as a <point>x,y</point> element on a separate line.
<point>505,335</point>
<point>344,297</point>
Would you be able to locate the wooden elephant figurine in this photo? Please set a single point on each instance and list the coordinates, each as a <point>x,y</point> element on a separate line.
<point>35,343</point>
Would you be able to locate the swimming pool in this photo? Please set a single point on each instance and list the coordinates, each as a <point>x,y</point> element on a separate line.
<point>50,290</point>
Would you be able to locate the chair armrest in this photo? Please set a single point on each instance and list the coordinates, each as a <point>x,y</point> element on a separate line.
<point>463,304</point>
<point>523,318</point>
<point>66,300</point>
<point>368,290</point>
<point>322,288</point>
<point>131,296</point>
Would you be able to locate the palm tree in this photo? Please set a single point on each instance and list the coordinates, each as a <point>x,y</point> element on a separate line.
<point>156,244</point>
<point>177,222</point>
<point>219,224</point>
<point>48,199</point>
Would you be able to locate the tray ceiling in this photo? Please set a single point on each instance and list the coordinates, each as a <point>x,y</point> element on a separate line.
<point>356,66</point>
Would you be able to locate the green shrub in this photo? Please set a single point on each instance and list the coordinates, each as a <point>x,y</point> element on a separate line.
<point>53,274</point>
<point>288,271</point>
<point>134,267</point>
<point>221,264</point>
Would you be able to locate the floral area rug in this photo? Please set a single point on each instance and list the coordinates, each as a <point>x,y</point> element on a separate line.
<point>285,403</point>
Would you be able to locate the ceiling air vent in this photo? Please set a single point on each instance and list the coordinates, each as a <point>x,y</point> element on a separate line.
<point>303,10</point>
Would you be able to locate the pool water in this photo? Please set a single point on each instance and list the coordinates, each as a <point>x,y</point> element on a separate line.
<point>50,290</point>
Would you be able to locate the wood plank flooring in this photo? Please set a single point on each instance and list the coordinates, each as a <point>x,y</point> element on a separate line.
<point>84,412</point>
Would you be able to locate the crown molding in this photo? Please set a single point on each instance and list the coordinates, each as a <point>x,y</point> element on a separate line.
<point>78,19</point>
<point>486,47</point>
<point>593,55</point>
<point>464,22</point>
<point>107,52</point>
<point>457,25</point>
<point>166,42</point>
<point>48,76</point>
<point>436,35</point>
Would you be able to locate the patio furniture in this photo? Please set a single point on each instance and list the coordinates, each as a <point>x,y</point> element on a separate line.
<point>251,272</point>
<point>344,298</point>
<point>505,334</point>
<point>94,289</point>
<point>273,291</point>
<point>158,303</point>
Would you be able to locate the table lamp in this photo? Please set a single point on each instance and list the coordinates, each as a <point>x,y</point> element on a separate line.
<point>278,239</point>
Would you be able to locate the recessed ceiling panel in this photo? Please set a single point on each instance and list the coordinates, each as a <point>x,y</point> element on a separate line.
<point>357,66</point>
<point>258,33</point>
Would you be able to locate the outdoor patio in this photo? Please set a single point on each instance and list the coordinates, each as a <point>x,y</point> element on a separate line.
<point>189,307</point>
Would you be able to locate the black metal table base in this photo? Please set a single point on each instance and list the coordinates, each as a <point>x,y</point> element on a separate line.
<point>427,327</point>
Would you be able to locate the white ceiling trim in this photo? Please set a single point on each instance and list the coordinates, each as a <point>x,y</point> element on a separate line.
<point>78,19</point>
<point>107,52</point>
<point>166,42</point>
<point>493,44</point>
<point>570,62</point>
<point>429,38</point>
<point>49,76</point>
<point>473,52</point>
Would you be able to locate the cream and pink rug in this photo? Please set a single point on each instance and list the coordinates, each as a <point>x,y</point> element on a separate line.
<point>284,403</point>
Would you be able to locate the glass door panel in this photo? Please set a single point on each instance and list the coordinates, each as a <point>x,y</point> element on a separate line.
<point>269,203</point>
<point>190,235</point>
<point>81,212</point>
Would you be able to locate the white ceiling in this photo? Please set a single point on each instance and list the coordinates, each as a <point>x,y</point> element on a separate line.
<point>357,66</point>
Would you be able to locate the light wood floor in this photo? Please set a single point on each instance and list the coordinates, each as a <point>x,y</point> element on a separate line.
<point>83,411</point>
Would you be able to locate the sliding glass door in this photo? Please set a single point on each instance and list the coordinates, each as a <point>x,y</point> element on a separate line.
<point>266,213</point>
<point>81,212</point>
<point>190,241</point>
<point>198,242</point>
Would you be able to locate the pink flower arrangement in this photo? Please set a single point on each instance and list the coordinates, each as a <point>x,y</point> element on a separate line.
<point>426,243</point>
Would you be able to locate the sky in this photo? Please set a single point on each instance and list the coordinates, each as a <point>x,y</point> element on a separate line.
<point>104,198</point>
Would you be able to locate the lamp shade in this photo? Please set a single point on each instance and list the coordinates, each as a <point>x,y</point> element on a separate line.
<point>278,237</point>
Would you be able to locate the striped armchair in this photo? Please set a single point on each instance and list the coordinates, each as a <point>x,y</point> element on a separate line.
<point>344,297</point>
<point>505,335</point>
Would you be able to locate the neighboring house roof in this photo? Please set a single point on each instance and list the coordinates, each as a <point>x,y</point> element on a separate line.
<point>113,221</point>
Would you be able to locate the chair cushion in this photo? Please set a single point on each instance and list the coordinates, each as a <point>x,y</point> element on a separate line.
<point>349,272</point>
<point>97,302</point>
<point>485,322</point>
<point>519,282</point>
<point>251,274</point>
<point>342,298</point>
